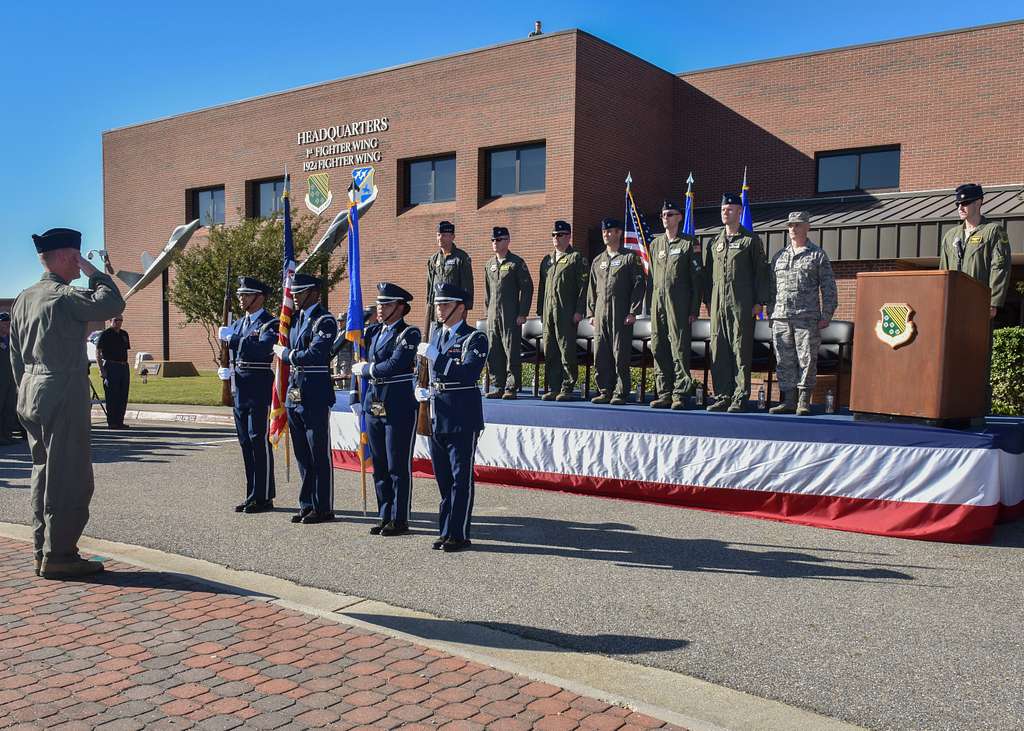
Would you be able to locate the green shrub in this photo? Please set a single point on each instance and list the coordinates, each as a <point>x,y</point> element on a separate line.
<point>1007,376</point>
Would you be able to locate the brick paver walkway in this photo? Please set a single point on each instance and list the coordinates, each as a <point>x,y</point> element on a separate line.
<point>137,649</point>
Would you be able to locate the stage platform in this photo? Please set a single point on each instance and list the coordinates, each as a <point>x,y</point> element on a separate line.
<point>826,471</point>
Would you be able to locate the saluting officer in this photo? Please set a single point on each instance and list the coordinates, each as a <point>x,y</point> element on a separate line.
<point>251,339</point>
<point>735,287</point>
<point>390,406</point>
<point>561,303</point>
<point>978,247</point>
<point>676,275</point>
<point>508,294</point>
<point>51,369</point>
<point>310,397</point>
<point>449,265</point>
<point>457,353</point>
<point>617,283</point>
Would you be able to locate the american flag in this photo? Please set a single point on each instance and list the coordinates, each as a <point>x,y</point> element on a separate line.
<point>637,234</point>
<point>278,415</point>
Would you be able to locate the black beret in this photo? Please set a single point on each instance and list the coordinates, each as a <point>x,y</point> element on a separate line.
<point>388,292</point>
<point>251,285</point>
<point>446,227</point>
<point>670,206</point>
<point>731,199</point>
<point>607,223</point>
<point>498,232</point>
<point>57,238</point>
<point>302,282</point>
<point>5,316</point>
<point>561,227</point>
<point>968,193</point>
<point>450,293</point>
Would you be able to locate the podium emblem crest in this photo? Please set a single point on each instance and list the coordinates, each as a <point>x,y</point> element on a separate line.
<point>896,327</point>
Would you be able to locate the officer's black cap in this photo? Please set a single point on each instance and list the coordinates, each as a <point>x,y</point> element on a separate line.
<point>607,223</point>
<point>670,206</point>
<point>251,285</point>
<point>561,227</point>
<point>5,316</point>
<point>57,238</point>
<point>388,292</point>
<point>968,193</point>
<point>498,232</point>
<point>731,199</point>
<point>450,293</point>
<point>446,227</point>
<point>302,282</point>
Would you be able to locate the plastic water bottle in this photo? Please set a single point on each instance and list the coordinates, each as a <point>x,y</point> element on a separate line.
<point>698,395</point>
<point>830,402</point>
<point>760,398</point>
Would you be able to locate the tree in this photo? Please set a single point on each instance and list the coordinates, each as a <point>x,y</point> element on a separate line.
<point>254,247</point>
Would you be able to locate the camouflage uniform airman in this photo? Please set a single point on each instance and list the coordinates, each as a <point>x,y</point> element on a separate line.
<point>508,294</point>
<point>804,298</point>
<point>561,296</point>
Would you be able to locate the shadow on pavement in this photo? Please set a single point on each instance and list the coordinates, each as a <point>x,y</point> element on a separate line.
<point>452,631</point>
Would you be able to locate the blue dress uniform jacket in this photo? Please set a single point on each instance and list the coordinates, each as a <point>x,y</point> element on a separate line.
<point>457,420</point>
<point>391,409</point>
<point>252,350</point>
<point>310,397</point>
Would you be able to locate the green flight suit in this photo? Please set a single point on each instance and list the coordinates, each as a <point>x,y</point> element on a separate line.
<point>48,329</point>
<point>617,284</point>
<point>561,295</point>
<point>8,394</point>
<point>455,268</point>
<point>508,294</point>
<point>985,256</point>
<point>676,277</point>
<point>736,278</point>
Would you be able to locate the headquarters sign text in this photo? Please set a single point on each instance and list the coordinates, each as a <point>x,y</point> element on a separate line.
<point>342,145</point>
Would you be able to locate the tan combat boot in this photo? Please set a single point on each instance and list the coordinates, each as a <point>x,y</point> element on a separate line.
<point>69,568</point>
<point>788,405</point>
<point>662,402</point>
<point>803,407</point>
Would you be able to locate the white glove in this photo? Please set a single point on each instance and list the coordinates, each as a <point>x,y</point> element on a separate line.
<point>357,409</point>
<point>424,394</point>
<point>428,351</point>
<point>281,352</point>
<point>361,369</point>
<point>224,374</point>
<point>224,333</point>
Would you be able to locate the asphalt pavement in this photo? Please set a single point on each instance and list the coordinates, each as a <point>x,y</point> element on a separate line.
<point>880,632</point>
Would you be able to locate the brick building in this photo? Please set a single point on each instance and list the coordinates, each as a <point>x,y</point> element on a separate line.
<point>870,139</point>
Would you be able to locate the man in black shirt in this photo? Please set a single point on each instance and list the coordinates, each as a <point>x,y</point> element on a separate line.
<point>112,356</point>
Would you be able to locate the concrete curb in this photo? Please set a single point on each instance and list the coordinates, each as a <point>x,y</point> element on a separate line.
<point>679,699</point>
<point>183,417</point>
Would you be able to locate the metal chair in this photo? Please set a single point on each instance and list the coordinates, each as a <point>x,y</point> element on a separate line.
<point>585,340</point>
<point>533,336</point>
<point>836,351</point>
<point>700,347</point>
<point>642,354</point>
<point>764,355</point>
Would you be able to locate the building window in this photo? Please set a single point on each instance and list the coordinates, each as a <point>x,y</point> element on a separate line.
<point>430,181</point>
<point>872,169</point>
<point>207,204</point>
<point>516,170</point>
<point>266,198</point>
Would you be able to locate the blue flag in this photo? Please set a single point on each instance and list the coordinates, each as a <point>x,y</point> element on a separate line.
<point>746,219</point>
<point>354,319</point>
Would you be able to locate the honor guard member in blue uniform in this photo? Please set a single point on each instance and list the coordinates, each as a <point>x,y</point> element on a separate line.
<point>390,406</point>
<point>251,340</point>
<point>310,398</point>
<point>457,354</point>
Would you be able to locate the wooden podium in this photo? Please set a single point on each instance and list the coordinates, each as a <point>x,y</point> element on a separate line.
<point>921,346</point>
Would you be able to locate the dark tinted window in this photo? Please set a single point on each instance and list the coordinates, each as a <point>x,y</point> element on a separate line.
<point>860,170</point>
<point>208,206</point>
<point>430,181</point>
<point>268,198</point>
<point>516,170</point>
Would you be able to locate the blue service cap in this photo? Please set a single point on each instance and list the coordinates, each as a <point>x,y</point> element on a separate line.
<point>968,193</point>
<point>57,238</point>
<point>607,223</point>
<point>251,285</point>
<point>446,227</point>
<point>731,199</point>
<point>303,281</point>
<point>498,232</point>
<point>561,227</point>
<point>670,206</point>
<point>450,293</point>
<point>389,292</point>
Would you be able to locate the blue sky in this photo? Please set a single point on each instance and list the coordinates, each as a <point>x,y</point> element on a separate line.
<point>69,71</point>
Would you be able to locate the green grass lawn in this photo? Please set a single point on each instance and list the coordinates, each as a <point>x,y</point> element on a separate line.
<point>203,390</point>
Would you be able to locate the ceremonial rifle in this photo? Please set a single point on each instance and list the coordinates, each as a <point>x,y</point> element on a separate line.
<point>225,351</point>
<point>423,425</point>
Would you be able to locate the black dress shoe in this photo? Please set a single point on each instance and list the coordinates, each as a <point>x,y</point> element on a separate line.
<point>375,530</point>
<point>436,545</point>
<point>394,529</point>
<point>303,512</point>
<point>314,518</point>
<point>452,545</point>
<point>240,508</point>
<point>118,427</point>
<point>260,506</point>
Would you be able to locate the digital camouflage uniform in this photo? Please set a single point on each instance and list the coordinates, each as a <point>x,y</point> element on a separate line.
<point>508,294</point>
<point>804,295</point>
<point>561,294</point>
<point>984,255</point>
<point>455,268</point>
<point>617,284</point>
<point>735,279</point>
<point>676,277</point>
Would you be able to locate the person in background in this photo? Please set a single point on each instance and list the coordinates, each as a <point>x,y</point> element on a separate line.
<point>112,358</point>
